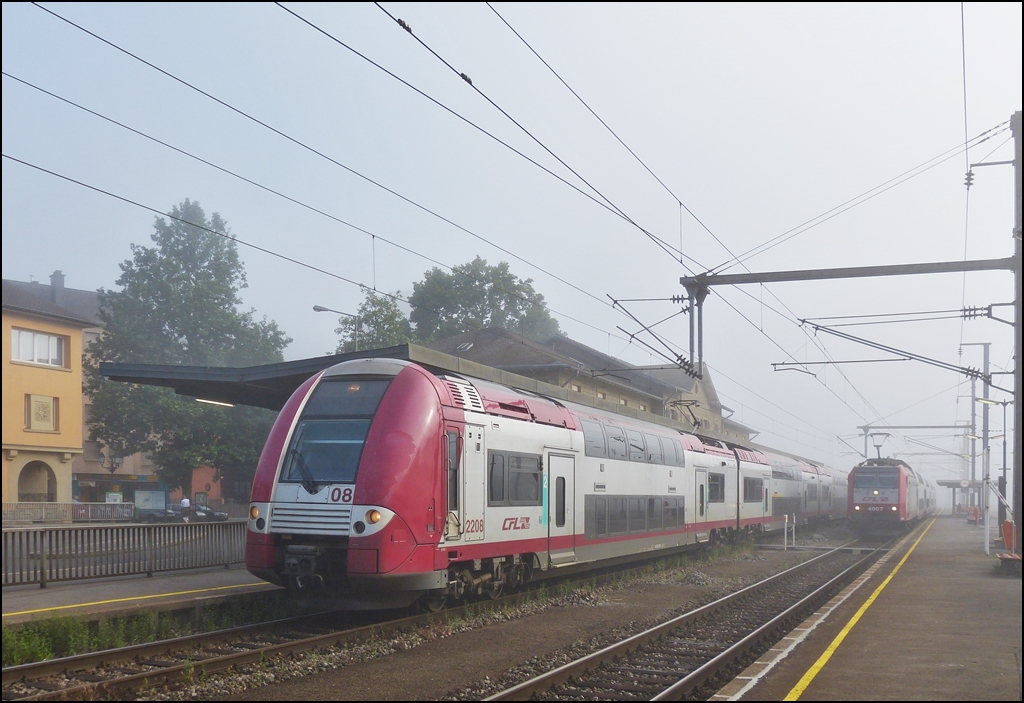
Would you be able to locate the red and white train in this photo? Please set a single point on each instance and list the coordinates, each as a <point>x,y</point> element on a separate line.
<point>887,496</point>
<point>383,482</point>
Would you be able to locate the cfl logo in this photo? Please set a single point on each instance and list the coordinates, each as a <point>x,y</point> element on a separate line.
<point>516,523</point>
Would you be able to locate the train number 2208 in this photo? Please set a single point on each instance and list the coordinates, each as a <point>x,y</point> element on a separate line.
<point>474,526</point>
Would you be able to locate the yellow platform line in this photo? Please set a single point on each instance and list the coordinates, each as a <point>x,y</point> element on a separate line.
<point>802,685</point>
<point>125,600</point>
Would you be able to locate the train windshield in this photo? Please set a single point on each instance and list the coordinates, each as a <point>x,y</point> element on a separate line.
<point>876,479</point>
<point>328,441</point>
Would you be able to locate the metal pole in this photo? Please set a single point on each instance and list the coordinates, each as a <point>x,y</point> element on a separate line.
<point>1018,183</point>
<point>974,433</point>
<point>984,501</point>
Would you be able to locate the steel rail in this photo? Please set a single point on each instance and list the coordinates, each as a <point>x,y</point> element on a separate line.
<point>120,655</point>
<point>724,659</point>
<point>527,689</point>
<point>205,663</point>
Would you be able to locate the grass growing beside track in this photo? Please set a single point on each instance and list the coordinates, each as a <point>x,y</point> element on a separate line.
<point>51,638</point>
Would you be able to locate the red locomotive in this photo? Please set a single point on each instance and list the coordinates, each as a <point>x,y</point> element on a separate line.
<point>887,496</point>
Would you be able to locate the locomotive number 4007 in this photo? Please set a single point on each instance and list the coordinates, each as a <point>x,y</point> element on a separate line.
<point>341,495</point>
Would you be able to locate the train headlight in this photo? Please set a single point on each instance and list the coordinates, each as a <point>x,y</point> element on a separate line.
<point>856,507</point>
<point>373,516</point>
<point>894,508</point>
<point>254,512</point>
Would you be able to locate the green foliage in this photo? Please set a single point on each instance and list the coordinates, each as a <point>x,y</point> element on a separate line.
<point>178,304</point>
<point>378,323</point>
<point>23,645</point>
<point>475,295</point>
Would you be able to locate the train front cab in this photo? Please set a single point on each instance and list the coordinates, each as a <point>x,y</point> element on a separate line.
<point>348,496</point>
<point>877,496</point>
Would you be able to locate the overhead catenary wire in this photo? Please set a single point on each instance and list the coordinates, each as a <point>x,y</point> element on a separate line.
<point>374,236</point>
<point>793,319</point>
<point>291,139</point>
<point>682,205</point>
<point>322,155</point>
<point>510,254</point>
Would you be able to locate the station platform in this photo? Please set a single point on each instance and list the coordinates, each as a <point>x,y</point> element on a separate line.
<point>936,620</point>
<point>172,590</point>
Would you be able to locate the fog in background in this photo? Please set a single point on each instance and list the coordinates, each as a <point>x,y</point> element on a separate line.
<point>756,118</point>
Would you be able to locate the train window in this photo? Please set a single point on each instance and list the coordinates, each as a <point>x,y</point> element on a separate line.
<point>701,504</point>
<point>616,442</point>
<point>593,438</point>
<point>654,453</point>
<point>654,514</point>
<point>670,513</point>
<point>496,480</point>
<point>669,445</point>
<point>346,397</point>
<point>636,445</point>
<point>812,492</point>
<point>617,523</point>
<point>637,515</point>
<point>600,517</point>
<point>888,480</point>
<point>752,490</point>
<point>865,479</point>
<point>560,501</point>
<point>453,470</point>
<point>680,454</point>
<point>716,488</point>
<point>326,451</point>
<point>524,480</point>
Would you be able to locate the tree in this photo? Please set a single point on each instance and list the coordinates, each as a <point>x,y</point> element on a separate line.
<point>378,323</point>
<point>178,304</point>
<point>475,295</point>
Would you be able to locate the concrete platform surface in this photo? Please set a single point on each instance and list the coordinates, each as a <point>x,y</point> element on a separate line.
<point>947,627</point>
<point>162,591</point>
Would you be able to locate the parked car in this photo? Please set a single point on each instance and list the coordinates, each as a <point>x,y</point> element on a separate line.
<point>200,513</point>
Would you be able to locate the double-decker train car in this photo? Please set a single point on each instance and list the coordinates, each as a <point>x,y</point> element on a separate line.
<point>886,496</point>
<point>383,482</point>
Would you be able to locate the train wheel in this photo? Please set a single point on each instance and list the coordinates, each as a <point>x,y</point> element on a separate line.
<point>496,592</point>
<point>433,604</point>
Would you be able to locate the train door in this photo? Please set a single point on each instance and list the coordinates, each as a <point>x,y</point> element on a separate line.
<point>561,509</point>
<point>474,492</point>
<point>700,504</point>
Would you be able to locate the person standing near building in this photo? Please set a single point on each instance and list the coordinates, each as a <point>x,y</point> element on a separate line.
<point>186,509</point>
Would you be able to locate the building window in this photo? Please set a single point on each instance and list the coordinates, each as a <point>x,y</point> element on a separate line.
<point>41,413</point>
<point>576,388</point>
<point>37,348</point>
<point>602,395</point>
<point>623,401</point>
<point>643,407</point>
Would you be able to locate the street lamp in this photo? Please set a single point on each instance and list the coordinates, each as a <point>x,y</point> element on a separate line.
<point>878,439</point>
<point>111,463</point>
<point>321,308</point>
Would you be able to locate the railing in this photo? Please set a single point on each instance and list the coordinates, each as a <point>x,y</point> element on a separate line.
<point>67,512</point>
<point>46,554</point>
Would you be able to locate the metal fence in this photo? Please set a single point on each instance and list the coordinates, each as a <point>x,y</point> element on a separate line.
<point>46,554</point>
<point>67,512</point>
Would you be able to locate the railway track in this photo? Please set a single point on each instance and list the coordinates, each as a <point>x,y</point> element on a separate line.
<point>116,673</point>
<point>673,660</point>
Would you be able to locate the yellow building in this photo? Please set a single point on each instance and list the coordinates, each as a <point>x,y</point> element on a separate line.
<point>42,388</point>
